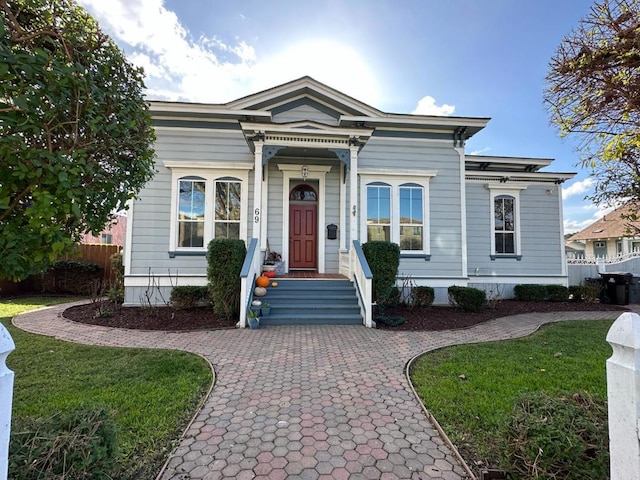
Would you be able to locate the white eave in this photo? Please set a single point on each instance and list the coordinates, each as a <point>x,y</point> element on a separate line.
<point>471,124</point>
<point>200,110</point>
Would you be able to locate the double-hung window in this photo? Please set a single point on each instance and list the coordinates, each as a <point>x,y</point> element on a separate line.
<point>206,204</point>
<point>395,210</point>
<point>505,222</point>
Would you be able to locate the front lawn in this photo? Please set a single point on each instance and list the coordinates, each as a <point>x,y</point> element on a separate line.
<point>152,394</point>
<point>472,389</point>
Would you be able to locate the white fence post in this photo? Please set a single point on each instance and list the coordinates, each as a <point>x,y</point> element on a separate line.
<point>623,392</point>
<point>6,398</point>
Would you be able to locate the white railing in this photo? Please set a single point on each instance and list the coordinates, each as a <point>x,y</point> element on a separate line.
<point>363,279</point>
<point>248,274</point>
<point>6,398</point>
<point>623,396</point>
<point>607,260</point>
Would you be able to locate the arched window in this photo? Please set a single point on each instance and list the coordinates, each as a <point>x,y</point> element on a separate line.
<point>303,193</point>
<point>504,224</point>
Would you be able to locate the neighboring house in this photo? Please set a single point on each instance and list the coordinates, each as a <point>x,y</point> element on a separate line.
<point>307,170</point>
<point>610,236</point>
<point>113,234</point>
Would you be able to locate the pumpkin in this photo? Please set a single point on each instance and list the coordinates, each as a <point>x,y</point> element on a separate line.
<point>262,281</point>
<point>269,273</point>
<point>259,291</point>
<point>274,284</point>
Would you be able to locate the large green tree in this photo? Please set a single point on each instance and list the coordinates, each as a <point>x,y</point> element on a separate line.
<point>75,131</point>
<point>593,93</point>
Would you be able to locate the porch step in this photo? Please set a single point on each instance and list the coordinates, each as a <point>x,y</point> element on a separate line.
<point>312,302</point>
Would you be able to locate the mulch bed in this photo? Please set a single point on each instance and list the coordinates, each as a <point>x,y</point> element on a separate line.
<point>416,319</point>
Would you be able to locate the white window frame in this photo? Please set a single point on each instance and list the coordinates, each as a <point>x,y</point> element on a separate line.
<point>395,180</point>
<point>512,191</point>
<point>210,177</point>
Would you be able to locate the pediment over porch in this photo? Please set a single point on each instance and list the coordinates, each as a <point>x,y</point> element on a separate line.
<point>304,139</point>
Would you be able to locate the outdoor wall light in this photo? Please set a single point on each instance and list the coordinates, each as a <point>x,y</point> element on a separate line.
<point>305,172</point>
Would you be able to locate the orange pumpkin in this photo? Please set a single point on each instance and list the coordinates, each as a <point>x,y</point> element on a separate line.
<point>262,281</point>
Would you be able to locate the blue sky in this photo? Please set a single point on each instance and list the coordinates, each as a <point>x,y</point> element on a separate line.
<point>485,58</point>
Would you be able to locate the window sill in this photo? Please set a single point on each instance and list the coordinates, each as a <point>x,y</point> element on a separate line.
<point>188,253</point>
<point>424,256</point>
<point>516,257</point>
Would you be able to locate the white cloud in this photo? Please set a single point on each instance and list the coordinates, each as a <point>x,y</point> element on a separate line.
<point>427,106</point>
<point>481,151</point>
<point>573,226</point>
<point>577,188</point>
<point>209,69</point>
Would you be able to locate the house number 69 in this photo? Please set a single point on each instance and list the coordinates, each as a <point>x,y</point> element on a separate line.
<point>256,215</point>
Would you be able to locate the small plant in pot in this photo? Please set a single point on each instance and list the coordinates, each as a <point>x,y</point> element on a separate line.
<point>253,319</point>
<point>265,309</point>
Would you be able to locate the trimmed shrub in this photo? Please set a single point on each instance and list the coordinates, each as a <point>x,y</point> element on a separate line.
<point>527,292</point>
<point>558,437</point>
<point>467,299</point>
<point>72,276</point>
<point>557,293</point>
<point>188,296</point>
<point>390,321</point>
<point>383,259</point>
<point>422,296</point>
<point>584,293</point>
<point>73,445</point>
<point>225,257</point>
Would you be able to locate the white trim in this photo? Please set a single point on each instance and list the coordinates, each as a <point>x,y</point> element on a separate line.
<point>512,177</point>
<point>290,172</point>
<point>396,181</point>
<point>439,282</point>
<point>225,131</point>
<point>190,165</point>
<point>164,280</point>
<point>353,194</point>
<point>499,279</point>
<point>563,251</point>
<point>343,211</point>
<point>298,130</point>
<point>396,172</point>
<point>210,176</point>
<point>128,238</point>
<point>463,212</point>
<point>211,110</point>
<point>495,190</point>
<point>399,119</point>
<point>256,213</point>
<point>265,204</point>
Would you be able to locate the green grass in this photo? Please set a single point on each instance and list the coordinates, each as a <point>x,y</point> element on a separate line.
<point>569,356</point>
<point>152,393</point>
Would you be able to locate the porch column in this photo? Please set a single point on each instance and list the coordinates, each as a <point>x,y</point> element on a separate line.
<point>257,190</point>
<point>353,194</point>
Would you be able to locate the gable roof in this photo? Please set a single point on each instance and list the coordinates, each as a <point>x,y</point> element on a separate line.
<point>350,113</point>
<point>611,225</point>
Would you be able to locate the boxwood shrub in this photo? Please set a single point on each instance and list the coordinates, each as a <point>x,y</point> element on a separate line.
<point>467,299</point>
<point>422,296</point>
<point>527,292</point>
<point>557,293</point>
<point>584,293</point>
<point>188,296</point>
<point>383,259</point>
<point>225,257</point>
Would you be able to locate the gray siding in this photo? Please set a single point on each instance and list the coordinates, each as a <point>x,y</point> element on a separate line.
<point>152,211</point>
<point>539,229</point>
<point>304,112</point>
<point>445,208</point>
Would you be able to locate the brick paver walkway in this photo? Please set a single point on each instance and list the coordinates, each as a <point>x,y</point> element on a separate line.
<point>311,402</point>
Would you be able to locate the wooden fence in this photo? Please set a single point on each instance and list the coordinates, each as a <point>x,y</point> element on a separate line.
<point>97,253</point>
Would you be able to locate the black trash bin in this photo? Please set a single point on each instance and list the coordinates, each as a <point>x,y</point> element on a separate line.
<point>616,288</point>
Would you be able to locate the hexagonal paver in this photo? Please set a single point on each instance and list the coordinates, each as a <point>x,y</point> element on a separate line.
<point>286,394</point>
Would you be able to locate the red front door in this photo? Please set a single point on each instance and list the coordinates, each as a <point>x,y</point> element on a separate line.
<point>303,229</point>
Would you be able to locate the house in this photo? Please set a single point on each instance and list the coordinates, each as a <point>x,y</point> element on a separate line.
<point>613,235</point>
<point>113,233</point>
<point>310,172</point>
